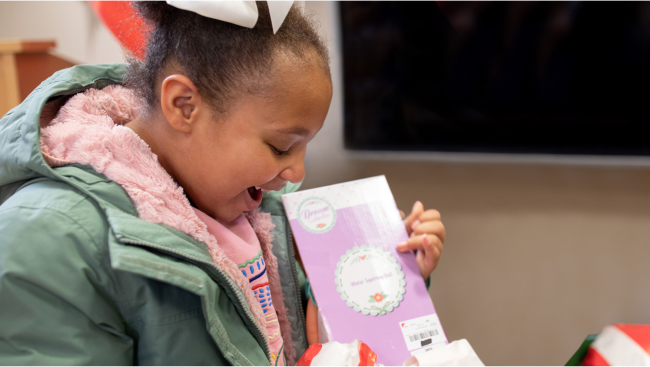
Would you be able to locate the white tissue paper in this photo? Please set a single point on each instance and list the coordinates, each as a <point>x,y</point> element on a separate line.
<point>456,353</point>
<point>337,354</point>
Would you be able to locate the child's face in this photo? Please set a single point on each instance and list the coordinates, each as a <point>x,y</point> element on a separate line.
<point>228,158</point>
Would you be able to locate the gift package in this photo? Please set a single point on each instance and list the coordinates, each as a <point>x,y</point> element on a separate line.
<point>364,288</point>
<point>616,345</point>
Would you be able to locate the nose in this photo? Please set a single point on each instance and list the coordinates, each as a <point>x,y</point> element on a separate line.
<point>295,170</point>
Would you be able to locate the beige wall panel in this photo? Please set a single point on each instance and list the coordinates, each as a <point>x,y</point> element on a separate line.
<point>537,255</point>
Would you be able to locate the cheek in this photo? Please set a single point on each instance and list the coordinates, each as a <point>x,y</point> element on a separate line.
<point>252,167</point>
<point>233,165</point>
<point>263,169</point>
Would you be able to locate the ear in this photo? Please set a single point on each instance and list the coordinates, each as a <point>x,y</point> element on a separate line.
<point>180,102</point>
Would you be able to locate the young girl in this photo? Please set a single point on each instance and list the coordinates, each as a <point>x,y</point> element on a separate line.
<point>140,218</point>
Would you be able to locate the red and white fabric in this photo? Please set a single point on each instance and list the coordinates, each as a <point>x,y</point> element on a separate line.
<point>620,345</point>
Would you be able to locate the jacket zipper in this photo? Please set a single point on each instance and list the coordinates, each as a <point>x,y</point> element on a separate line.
<point>294,272</point>
<point>233,285</point>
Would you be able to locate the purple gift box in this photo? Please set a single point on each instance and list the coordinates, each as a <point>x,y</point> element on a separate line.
<point>365,289</point>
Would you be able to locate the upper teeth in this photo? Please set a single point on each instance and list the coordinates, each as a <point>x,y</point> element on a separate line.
<point>260,188</point>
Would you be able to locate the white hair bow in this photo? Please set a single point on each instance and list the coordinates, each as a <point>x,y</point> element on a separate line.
<point>242,13</point>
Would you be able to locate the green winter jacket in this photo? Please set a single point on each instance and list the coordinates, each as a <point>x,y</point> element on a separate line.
<point>83,280</point>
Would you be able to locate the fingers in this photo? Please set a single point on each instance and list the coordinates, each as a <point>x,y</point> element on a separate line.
<point>428,215</point>
<point>434,227</point>
<point>426,236</point>
<point>422,264</point>
<point>401,213</point>
<point>429,249</point>
<point>425,242</point>
<point>417,210</point>
<point>428,259</point>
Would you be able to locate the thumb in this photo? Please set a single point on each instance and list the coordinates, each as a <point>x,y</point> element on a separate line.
<point>417,210</point>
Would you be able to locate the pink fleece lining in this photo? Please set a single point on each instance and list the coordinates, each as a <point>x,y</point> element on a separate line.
<point>89,130</point>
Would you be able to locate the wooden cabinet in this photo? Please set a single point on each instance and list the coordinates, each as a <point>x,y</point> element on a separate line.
<point>23,66</point>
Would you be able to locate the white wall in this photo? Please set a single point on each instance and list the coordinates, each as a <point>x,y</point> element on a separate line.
<point>80,36</point>
<point>537,256</point>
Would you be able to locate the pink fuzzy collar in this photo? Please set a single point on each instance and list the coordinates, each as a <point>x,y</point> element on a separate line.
<point>89,130</point>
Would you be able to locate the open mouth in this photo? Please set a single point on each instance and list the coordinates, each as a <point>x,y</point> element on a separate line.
<point>255,193</point>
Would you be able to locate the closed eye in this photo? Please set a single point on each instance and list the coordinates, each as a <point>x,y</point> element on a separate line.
<point>278,151</point>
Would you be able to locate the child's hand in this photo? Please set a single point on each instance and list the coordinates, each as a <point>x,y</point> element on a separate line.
<point>427,235</point>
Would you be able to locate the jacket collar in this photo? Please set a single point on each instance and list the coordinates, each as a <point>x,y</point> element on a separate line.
<point>20,153</point>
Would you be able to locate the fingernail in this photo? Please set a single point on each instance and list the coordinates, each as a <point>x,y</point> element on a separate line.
<point>415,204</point>
<point>415,224</point>
<point>424,238</point>
<point>401,245</point>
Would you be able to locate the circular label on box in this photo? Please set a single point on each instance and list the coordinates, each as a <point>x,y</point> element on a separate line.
<point>370,280</point>
<point>316,215</point>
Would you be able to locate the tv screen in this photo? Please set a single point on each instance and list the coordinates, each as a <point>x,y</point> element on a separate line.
<point>498,77</point>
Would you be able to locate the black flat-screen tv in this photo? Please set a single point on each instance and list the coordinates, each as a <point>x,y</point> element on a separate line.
<point>497,77</point>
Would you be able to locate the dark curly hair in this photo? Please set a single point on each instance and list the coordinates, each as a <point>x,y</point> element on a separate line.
<point>223,60</point>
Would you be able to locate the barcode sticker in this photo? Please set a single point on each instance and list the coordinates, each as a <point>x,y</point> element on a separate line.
<point>423,334</point>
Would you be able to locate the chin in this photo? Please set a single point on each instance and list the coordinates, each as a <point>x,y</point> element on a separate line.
<point>228,216</point>
<point>230,210</point>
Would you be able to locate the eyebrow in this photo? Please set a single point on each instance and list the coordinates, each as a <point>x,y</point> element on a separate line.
<point>295,130</point>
